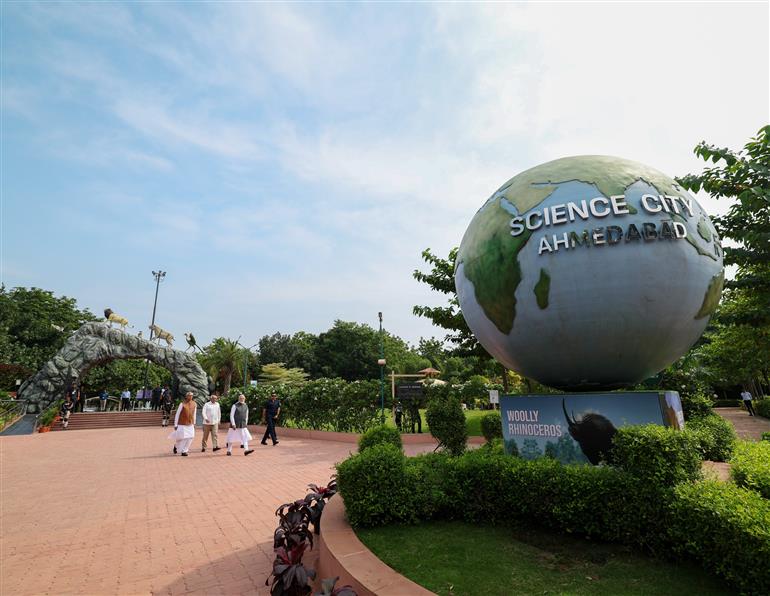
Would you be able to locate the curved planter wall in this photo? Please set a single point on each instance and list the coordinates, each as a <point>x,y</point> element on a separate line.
<point>342,554</point>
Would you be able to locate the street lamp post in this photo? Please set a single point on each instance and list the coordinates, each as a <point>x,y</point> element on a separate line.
<point>246,353</point>
<point>382,363</point>
<point>158,275</point>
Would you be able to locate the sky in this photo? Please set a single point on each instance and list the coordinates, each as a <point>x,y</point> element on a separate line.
<point>286,164</point>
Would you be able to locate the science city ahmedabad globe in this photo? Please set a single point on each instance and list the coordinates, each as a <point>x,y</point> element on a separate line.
<point>589,272</point>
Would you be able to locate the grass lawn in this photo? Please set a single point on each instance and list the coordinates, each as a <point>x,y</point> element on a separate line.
<point>456,558</point>
<point>472,421</point>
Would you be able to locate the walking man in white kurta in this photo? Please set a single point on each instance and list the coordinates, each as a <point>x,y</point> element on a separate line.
<point>184,424</point>
<point>211,415</point>
<point>239,419</point>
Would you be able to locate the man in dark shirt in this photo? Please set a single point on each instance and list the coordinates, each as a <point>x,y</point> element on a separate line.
<point>270,413</point>
<point>156,398</point>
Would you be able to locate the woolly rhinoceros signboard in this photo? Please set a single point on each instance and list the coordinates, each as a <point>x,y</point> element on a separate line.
<point>578,428</point>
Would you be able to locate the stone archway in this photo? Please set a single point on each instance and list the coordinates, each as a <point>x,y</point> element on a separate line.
<point>96,343</point>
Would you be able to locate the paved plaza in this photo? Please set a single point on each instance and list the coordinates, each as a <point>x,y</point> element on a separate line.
<point>113,512</point>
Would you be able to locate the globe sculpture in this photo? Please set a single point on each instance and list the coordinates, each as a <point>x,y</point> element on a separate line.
<point>589,273</point>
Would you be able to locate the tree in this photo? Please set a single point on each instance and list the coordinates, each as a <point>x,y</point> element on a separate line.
<point>351,350</point>
<point>736,348</point>
<point>123,374</point>
<point>276,372</point>
<point>222,359</point>
<point>744,178</point>
<point>441,279</point>
<point>348,350</point>
<point>34,324</point>
<point>295,351</point>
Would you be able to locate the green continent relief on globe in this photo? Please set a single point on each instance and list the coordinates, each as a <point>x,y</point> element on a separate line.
<point>580,248</point>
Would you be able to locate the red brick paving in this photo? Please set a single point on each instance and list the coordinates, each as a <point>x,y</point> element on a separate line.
<point>747,427</point>
<point>113,512</point>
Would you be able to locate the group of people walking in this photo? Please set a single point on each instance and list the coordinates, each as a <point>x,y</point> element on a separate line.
<point>211,414</point>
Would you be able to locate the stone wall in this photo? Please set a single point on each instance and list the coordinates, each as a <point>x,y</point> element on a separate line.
<point>96,343</point>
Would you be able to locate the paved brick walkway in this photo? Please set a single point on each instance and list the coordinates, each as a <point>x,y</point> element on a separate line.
<point>746,427</point>
<point>113,512</point>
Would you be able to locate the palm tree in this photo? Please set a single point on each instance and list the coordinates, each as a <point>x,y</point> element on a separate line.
<point>222,359</point>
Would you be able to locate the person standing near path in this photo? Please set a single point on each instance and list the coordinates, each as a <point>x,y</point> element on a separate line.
<point>166,405</point>
<point>66,409</point>
<point>156,398</point>
<point>184,424</point>
<point>103,400</point>
<point>211,414</point>
<point>270,414</point>
<point>125,400</point>
<point>239,419</point>
<point>746,397</point>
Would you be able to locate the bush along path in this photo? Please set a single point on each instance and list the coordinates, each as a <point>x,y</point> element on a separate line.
<point>651,496</point>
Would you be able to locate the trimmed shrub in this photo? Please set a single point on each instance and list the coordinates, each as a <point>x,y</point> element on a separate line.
<point>762,407</point>
<point>380,435</point>
<point>716,437</point>
<point>727,403</point>
<point>446,420</point>
<point>656,454</point>
<point>696,406</point>
<point>726,528</point>
<point>750,466</point>
<point>376,487</point>
<point>766,436</point>
<point>492,426</point>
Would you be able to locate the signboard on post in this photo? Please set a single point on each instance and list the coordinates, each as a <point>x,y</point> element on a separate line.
<point>409,390</point>
<point>579,427</point>
<point>494,396</point>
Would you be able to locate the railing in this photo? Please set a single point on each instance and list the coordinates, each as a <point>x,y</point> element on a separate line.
<point>10,411</point>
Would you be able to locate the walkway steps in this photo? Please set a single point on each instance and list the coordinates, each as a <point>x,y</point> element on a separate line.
<point>92,420</point>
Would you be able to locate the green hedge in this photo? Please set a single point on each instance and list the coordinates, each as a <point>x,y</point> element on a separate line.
<point>656,454</point>
<point>380,486</point>
<point>726,528</point>
<point>762,407</point>
<point>716,436</point>
<point>323,404</point>
<point>727,403</point>
<point>380,435</point>
<point>750,467</point>
<point>696,406</point>
<point>492,426</point>
<point>446,421</point>
<point>378,490</point>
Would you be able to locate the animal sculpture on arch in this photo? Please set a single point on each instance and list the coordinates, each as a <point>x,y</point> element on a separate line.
<point>191,343</point>
<point>162,334</point>
<point>113,317</point>
<point>593,432</point>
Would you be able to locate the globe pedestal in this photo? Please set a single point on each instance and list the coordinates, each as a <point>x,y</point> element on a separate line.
<point>579,427</point>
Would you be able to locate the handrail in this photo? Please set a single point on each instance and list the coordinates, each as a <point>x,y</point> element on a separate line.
<point>10,411</point>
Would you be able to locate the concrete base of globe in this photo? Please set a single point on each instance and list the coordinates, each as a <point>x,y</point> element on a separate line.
<point>579,427</point>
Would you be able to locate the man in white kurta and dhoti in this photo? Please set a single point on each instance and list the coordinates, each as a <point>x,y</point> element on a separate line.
<point>184,425</point>
<point>239,420</point>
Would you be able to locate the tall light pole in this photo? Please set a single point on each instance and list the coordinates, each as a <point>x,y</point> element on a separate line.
<point>158,275</point>
<point>382,363</point>
<point>246,353</point>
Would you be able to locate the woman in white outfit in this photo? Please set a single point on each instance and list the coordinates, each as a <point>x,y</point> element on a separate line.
<point>239,433</point>
<point>184,425</point>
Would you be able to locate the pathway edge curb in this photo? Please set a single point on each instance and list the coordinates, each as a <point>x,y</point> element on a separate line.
<point>342,554</point>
